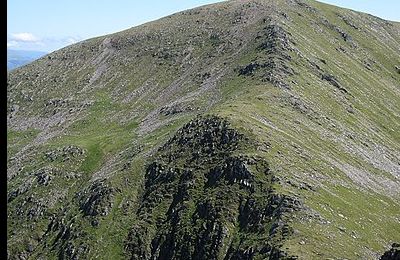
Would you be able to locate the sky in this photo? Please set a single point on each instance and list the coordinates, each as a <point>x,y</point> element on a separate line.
<point>48,25</point>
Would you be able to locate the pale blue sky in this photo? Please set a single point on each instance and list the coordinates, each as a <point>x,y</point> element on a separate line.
<point>48,25</point>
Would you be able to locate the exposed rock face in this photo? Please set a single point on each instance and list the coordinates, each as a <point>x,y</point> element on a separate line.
<point>67,239</point>
<point>204,202</point>
<point>96,200</point>
<point>271,63</point>
<point>393,253</point>
<point>67,233</point>
<point>334,82</point>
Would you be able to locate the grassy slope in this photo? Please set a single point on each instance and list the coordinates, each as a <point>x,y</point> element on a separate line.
<point>369,216</point>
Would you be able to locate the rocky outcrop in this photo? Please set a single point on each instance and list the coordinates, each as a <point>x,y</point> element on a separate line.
<point>96,200</point>
<point>202,201</point>
<point>64,154</point>
<point>66,242</point>
<point>334,82</point>
<point>272,60</point>
<point>66,231</point>
<point>392,254</point>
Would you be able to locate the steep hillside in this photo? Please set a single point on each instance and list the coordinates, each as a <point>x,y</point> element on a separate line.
<point>264,129</point>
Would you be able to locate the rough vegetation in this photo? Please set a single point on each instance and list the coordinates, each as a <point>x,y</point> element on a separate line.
<point>204,200</point>
<point>263,129</point>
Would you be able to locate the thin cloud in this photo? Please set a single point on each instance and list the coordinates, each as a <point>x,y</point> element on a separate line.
<point>23,40</point>
<point>71,41</point>
<point>28,41</point>
<point>24,37</point>
<point>12,44</point>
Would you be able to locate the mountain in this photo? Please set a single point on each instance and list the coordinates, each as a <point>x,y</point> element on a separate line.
<point>18,58</point>
<point>263,129</point>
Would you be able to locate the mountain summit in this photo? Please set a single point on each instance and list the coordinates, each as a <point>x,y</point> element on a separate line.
<point>241,130</point>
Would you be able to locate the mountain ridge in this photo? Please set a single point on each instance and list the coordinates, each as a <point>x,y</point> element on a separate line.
<point>312,88</point>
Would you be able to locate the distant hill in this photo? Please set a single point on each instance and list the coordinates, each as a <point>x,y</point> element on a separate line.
<point>18,58</point>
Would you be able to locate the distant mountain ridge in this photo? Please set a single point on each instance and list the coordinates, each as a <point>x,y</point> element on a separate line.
<point>18,58</point>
